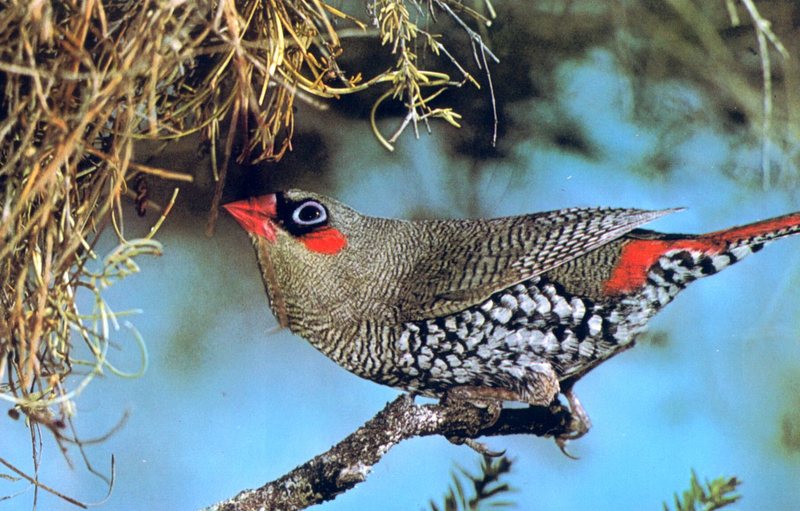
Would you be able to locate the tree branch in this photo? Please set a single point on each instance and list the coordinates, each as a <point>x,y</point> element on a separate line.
<point>349,462</point>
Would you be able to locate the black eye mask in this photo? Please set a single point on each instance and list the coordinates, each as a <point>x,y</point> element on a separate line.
<point>302,216</point>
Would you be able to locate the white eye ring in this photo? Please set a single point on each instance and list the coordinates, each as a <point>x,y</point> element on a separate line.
<point>318,215</point>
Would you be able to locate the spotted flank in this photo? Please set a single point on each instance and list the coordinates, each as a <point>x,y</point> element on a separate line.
<point>504,340</point>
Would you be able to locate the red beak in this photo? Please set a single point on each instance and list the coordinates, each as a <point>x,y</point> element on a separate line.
<point>256,214</point>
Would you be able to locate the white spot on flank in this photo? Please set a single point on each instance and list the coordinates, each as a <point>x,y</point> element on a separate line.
<point>561,307</point>
<point>524,360</point>
<point>424,362</point>
<point>622,335</point>
<point>655,277</point>
<point>542,305</point>
<point>595,324</point>
<point>741,251</point>
<point>720,261</point>
<point>501,314</point>
<point>570,343</point>
<point>453,361</point>
<point>402,342</point>
<point>516,371</point>
<point>663,296</point>
<point>564,358</point>
<point>497,337</point>
<point>578,308</point>
<point>509,302</point>
<point>550,343</point>
<point>514,340</point>
<point>471,365</point>
<point>460,375</point>
<point>474,340</point>
<point>534,338</point>
<point>526,304</point>
<point>649,293</point>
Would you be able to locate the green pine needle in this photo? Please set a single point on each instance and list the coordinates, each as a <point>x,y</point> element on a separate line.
<point>468,492</point>
<point>714,495</point>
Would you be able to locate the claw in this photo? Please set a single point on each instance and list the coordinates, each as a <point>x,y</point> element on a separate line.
<point>482,448</point>
<point>476,446</point>
<point>579,425</point>
<point>562,442</point>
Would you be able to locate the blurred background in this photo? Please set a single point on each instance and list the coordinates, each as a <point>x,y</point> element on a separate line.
<point>640,104</point>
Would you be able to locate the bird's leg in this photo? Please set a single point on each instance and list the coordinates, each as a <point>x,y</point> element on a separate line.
<point>579,424</point>
<point>483,397</point>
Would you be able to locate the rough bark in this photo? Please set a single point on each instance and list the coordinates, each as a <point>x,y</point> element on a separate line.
<point>348,463</point>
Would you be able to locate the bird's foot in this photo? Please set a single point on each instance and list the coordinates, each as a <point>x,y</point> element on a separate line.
<point>579,423</point>
<point>487,399</point>
<point>481,397</point>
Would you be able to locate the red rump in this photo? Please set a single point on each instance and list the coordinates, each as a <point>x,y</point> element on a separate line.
<point>639,255</point>
<point>324,241</point>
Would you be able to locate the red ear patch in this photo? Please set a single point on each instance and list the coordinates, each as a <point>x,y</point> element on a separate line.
<point>327,241</point>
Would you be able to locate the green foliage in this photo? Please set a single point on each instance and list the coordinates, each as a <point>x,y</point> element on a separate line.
<point>470,492</point>
<point>717,494</point>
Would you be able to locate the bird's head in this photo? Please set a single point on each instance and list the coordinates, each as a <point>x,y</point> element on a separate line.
<point>300,220</point>
<point>313,251</point>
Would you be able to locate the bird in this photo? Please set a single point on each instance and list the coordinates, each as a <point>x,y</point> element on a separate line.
<point>517,308</point>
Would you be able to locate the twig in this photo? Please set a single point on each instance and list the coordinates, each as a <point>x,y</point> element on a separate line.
<point>350,461</point>
<point>43,486</point>
<point>492,96</point>
<point>763,33</point>
<point>474,36</point>
<point>478,46</point>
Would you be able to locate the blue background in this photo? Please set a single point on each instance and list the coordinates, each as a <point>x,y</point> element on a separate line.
<point>227,405</point>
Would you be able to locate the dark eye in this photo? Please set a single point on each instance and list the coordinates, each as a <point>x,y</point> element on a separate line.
<point>309,213</point>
